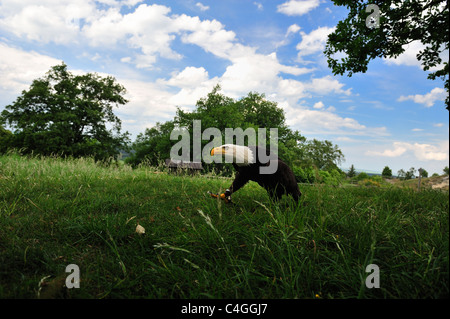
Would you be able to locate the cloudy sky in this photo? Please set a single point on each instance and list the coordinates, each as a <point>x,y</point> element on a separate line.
<point>171,53</point>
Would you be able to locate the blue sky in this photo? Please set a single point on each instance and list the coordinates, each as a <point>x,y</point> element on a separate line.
<point>171,53</point>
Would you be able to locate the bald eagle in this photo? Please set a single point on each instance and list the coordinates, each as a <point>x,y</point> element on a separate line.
<point>250,163</point>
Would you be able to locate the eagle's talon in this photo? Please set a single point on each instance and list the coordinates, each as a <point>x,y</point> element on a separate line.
<point>226,197</point>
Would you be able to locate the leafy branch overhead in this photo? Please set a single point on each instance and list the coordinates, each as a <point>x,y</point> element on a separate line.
<point>400,23</point>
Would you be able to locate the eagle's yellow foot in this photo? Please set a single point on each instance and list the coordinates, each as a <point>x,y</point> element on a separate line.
<point>224,196</point>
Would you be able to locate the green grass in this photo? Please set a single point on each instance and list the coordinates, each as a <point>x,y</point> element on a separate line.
<point>56,212</point>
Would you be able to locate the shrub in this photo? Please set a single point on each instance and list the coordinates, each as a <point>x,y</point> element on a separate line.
<point>362,176</point>
<point>304,174</point>
<point>369,182</point>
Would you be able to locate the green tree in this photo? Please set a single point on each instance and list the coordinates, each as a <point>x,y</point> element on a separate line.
<point>68,114</point>
<point>259,112</point>
<point>215,110</point>
<point>292,150</point>
<point>152,146</point>
<point>323,154</point>
<point>400,23</point>
<point>252,111</point>
<point>387,172</point>
<point>411,173</point>
<point>351,172</point>
<point>445,170</point>
<point>401,174</point>
<point>5,139</point>
<point>424,173</point>
<point>362,176</point>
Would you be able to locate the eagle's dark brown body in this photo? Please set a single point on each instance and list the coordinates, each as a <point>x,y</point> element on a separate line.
<point>281,181</point>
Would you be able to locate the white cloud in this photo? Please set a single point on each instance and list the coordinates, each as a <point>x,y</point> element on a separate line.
<point>105,28</point>
<point>120,3</point>
<point>209,35</point>
<point>319,105</point>
<point>422,152</point>
<point>201,6</point>
<point>187,97</point>
<point>46,21</point>
<point>251,71</point>
<point>148,31</point>
<point>194,83</point>
<point>297,7</point>
<point>346,139</point>
<point>427,152</point>
<point>126,59</point>
<point>19,68</point>
<point>259,6</point>
<point>327,85</point>
<point>436,94</point>
<point>148,102</point>
<point>409,56</point>
<point>131,3</point>
<point>289,91</point>
<point>292,29</point>
<point>321,120</point>
<point>314,41</point>
<point>144,61</point>
<point>329,121</point>
<point>399,149</point>
<point>189,77</point>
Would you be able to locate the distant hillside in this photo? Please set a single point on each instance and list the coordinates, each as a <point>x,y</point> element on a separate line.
<point>434,182</point>
<point>358,170</point>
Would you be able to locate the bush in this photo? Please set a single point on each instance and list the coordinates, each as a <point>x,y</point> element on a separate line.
<point>310,175</point>
<point>304,174</point>
<point>369,182</point>
<point>333,177</point>
<point>362,176</point>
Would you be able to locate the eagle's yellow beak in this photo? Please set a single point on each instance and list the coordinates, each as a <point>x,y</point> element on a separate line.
<point>217,150</point>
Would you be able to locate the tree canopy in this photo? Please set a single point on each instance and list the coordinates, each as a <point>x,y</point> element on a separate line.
<point>5,137</point>
<point>387,172</point>
<point>384,32</point>
<point>67,114</point>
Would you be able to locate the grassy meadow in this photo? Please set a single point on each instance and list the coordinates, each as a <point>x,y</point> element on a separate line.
<point>55,212</point>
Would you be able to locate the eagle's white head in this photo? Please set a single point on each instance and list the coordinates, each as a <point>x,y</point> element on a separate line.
<point>238,154</point>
